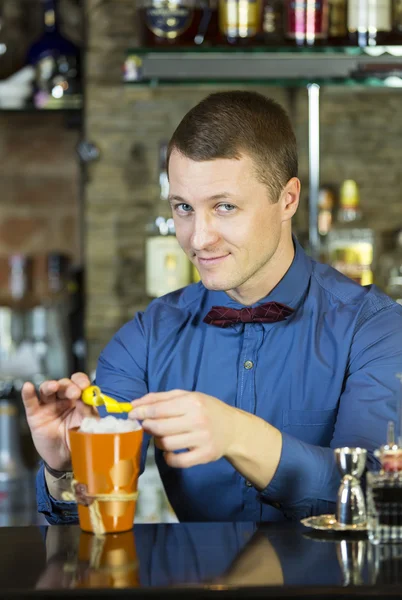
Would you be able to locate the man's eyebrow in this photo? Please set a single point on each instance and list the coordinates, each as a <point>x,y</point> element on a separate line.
<point>221,196</point>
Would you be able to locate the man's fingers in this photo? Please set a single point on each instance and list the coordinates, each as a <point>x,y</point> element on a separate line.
<point>158,397</point>
<point>29,398</point>
<point>162,427</point>
<point>68,390</point>
<point>178,442</point>
<point>48,389</point>
<point>186,459</point>
<point>174,407</point>
<point>81,380</point>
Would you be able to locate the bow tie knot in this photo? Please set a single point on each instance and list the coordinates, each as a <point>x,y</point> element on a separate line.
<point>246,315</point>
<point>270,312</point>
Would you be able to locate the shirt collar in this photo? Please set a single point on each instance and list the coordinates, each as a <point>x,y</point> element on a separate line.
<point>290,290</point>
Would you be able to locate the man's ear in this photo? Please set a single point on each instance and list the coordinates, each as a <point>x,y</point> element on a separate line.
<point>290,198</point>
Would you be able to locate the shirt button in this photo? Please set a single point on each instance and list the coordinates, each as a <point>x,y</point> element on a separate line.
<point>249,484</point>
<point>248,364</point>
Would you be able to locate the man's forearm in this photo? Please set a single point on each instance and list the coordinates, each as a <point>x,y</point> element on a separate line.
<point>256,448</point>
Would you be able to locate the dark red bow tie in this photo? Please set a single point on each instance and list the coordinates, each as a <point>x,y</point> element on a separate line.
<point>270,312</point>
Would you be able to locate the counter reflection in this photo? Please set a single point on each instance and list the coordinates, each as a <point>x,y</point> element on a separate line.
<point>215,554</point>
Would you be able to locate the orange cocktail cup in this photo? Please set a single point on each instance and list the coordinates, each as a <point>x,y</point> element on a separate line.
<point>106,468</point>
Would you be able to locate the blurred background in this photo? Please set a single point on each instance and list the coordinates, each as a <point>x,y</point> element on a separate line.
<point>90,92</point>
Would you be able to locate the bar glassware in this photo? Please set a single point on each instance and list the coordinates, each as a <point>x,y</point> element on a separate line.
<point>384,489</point>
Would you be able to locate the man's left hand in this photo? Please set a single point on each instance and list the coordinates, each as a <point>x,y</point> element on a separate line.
<point>179,420</point>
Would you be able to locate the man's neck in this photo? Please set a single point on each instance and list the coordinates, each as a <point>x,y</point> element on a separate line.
<point>263,282</point>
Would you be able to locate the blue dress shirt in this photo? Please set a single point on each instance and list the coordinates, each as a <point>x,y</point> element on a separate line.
<point>325,377</point>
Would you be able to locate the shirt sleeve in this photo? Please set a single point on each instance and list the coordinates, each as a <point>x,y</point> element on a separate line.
<point>307,480</point>
<point>56,512</point>
<point>122,374</point>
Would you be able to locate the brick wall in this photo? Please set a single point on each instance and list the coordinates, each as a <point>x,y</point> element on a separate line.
<point>39,201</point>
<point>40,184</point>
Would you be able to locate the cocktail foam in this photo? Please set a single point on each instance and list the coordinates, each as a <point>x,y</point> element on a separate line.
<point>108,424</point>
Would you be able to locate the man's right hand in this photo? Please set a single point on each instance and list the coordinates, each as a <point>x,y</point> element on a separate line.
<point>57,409</point>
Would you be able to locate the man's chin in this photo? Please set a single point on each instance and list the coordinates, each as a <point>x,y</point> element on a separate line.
<point>216,286</point>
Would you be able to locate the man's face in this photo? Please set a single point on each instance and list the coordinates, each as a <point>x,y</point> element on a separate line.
<point>224,220</point>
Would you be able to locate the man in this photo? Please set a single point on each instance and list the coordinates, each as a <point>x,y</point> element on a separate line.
<point>245,412</point>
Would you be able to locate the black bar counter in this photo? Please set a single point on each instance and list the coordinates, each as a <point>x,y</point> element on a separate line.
<point>200,560</point>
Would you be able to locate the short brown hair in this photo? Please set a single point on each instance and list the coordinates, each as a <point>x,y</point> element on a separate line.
<point>228,124</point>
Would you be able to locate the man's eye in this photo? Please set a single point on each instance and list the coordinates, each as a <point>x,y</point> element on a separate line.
<point>227,207</point>
<point>183,207</point>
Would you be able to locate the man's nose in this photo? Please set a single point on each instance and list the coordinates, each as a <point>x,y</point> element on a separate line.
<point>204,234</point>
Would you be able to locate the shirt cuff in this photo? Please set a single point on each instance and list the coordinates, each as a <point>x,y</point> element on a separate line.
<point>56,512</point>
<point>305,474</point>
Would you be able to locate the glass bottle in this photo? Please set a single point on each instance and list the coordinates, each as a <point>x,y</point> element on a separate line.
<point>240,21</point>
<point>337,23</point>
<point>306,22</point>
<point>48,322</point>
<point>350,242</point>
<point>273,33</point>
<point>369,22</point>
<point>326,202</point>
<point>167,267</point>
<point>175,22</point>
<point>393,283</point>
<point>397,20</point>
<point>20,278</point>
<point>57,64</point>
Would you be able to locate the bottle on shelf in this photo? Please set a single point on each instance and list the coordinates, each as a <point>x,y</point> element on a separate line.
<point>167,267</point>
<point>350,242</point>
<point>47,323</point>
<point>397,21</point>
<point>337,23</point>
<point>20,281</point>
<point>393,275</point>
<point>176,22</point>
<point>273,33</point>
<point>306,22</point>
<point>57,65</point>
<point>326,203</point>
<point>11,48</point>
<point>370,22</point>
<point>240,21</point>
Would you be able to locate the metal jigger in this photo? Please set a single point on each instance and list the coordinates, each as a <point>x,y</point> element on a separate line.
<point>350,504</point>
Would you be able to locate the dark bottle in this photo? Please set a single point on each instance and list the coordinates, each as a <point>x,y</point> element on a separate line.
<point>240,21</point>
<point>397,20</point>
<point>370,22</point>
<point>11,49</point>
<point>307,22</point>
<point>57,64</point>
<point>175,22</point>
<point>337,23</point>
<point>273,33</point>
